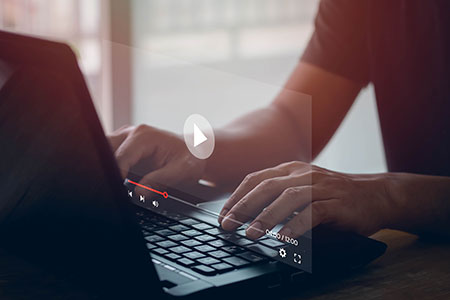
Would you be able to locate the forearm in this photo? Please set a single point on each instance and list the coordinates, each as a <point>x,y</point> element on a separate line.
<point>260,139</point>
<point>296,126</point>
<point>419,204</point>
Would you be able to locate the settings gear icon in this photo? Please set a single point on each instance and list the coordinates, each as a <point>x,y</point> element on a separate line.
<point>282,252</point>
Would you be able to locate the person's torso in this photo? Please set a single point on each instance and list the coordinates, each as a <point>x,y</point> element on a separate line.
<point>409,52</point>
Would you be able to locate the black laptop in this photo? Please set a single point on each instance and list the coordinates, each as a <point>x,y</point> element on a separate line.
<point>65,207</point>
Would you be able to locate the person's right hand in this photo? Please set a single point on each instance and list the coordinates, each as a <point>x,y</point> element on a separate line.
<point>159,156</point>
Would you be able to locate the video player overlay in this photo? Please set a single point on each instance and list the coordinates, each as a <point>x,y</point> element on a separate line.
<point>194,237</point>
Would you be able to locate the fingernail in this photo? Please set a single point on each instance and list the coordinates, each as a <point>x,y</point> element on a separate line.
<point>229,222</point>
<point>222,214</point>
<point>286,232</point>
<point>255,231</point>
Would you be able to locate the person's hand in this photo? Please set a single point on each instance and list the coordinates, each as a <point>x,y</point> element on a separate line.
<point>356,203</point>
<point>157,155</point>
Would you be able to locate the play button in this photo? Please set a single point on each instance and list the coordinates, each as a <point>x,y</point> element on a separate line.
<point>199,136</point>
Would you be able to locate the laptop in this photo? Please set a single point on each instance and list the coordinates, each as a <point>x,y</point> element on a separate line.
<point>66,208</point>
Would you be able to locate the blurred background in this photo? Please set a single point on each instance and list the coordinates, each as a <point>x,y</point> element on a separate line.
<point>158,61</point>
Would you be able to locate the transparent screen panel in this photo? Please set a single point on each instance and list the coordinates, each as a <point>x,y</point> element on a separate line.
<point>223,62</point>
<point>164,174</point>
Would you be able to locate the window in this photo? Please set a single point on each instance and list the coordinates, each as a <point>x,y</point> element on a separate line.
<point>158,61</point>
<point>81,23</point>
<point>222,58</point>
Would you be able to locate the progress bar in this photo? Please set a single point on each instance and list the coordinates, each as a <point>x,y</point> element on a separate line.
<point>164,194</point>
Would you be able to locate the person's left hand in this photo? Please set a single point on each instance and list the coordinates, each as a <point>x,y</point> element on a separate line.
<point>356,203</point>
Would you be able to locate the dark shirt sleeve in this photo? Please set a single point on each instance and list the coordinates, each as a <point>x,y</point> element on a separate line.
<point>339,43</point>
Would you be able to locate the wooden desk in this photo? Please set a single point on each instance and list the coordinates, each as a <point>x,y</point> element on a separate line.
<point>410,269</point>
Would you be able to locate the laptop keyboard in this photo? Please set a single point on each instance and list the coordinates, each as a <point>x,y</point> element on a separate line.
<point>202,247</point>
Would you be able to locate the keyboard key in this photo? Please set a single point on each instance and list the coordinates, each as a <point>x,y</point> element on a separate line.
<point>172,256</point>
<point>160,251</point>
<point>180,249</point>
<point>241,232</point>
<point>166,244</point>
<point>208,261</point>
<point>152,217</point>
<point>205,238</point>
<point>205,248</point>
<point>167,220</point>
<point>266,251</point>
<point>236,261</point>
<point>194,255</point>
<point>154,238</point>
<point>164,223</point>
<point>178,228</point>
<point>186,261</point>
<point>271,243</point>
<point>233,249</point>
<point>219,254</point>
<point>165,232</point>
<point>204,270</point>
<point>214,231</point>
<point>202,226</point>
<point>222,267</point>
<point>150,246</point>
<point>150,227</point>
<point>176,216</point>
<point>191,243</point>
<point>219,243</point>
<point>226,235</point>
<point>244,242</point>
<point>189,222</point>
<point>192,232</point>
<point>146,233</point>
<point>253,257</point>
<point>178,237</point>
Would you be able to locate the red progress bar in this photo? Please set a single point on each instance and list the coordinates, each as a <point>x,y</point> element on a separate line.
<point>164,194</point>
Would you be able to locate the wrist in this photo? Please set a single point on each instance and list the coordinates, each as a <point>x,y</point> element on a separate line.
<point>401,197</point>
<point>392,200</point>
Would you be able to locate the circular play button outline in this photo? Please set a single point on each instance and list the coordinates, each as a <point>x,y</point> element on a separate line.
<point>199,136</point>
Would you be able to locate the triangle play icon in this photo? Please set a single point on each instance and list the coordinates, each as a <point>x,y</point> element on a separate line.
<point>199,137</point>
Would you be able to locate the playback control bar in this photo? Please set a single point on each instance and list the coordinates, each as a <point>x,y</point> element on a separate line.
<point>164,194</point>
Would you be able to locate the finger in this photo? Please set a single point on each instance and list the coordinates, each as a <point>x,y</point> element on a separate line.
<point>257,199</point>
<point>292,199</point>
<point>131,151</point>
<point>173,174</point>
<point>314,214</point>
<point>248,184</point>
<point>117,137</point>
